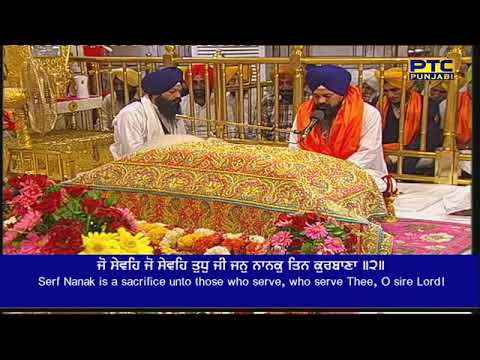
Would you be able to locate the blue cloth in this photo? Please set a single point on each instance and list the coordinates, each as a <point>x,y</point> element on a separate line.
<point>334,78</point>
<point>157,82</point>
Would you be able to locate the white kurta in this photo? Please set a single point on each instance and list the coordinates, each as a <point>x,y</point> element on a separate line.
<point>138,124</point>
<point>370,153</point>
<point>201,113</point>
<point>249,113</point>
<point>106,116</point>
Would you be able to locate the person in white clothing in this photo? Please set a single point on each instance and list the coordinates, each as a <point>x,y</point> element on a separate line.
<point>145,120</point>
<point>347,127</point>
<point>200,104</point>
<point>106,115</point>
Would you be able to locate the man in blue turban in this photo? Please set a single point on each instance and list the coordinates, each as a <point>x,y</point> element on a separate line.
<point>337,122</point>
<point>154,115</point>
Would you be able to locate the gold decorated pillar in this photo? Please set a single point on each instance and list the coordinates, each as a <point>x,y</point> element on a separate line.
<point>15,100</point>
<point>445,158</point>
<point>220,95</point>
<point>14,95</point>
<point>298,81</point>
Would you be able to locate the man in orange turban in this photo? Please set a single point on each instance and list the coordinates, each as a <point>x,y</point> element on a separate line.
<point>413,119</point>
<point>201,100</point>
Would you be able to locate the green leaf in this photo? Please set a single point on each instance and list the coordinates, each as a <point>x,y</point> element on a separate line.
<point>53,188</point>
<point>93,195</point>
<point>112,200</point>
<point>307,248</point>
<point>74,206</point>
<point>317,243</point>
<point>62,213</point>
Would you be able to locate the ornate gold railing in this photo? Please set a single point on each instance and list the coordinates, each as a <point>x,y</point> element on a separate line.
<point>219,122</point>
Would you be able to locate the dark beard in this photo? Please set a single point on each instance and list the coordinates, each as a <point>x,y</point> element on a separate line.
<point>168,109</point>
<point>287,96</point>
<point>330,114</point>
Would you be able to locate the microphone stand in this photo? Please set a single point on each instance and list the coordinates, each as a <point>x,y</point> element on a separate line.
<point>305,132</point>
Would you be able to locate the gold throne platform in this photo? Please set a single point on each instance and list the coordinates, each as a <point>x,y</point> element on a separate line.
<point>59,154</point>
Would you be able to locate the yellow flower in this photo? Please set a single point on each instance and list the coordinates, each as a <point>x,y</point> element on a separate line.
<point>101,244</point>
<point>170,238</point>
<point>146,227</point>
<point>138,244</point>
<point>169,251</point>
<point>156,234</point>
<point>186,241</point>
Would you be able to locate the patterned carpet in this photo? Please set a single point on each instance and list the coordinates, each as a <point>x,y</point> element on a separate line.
<point>424,237</point>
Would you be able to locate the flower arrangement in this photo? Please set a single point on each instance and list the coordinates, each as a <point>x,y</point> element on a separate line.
<point>43,218</point>
<point>310,233</point>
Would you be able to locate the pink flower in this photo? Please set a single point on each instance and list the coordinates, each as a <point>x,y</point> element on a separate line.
<point>281,238</point>
<point>130,219</point>
<point>33,244</point>
<point>9,236</point>
<point>10,250</point>
<point>316,231</point>
<point>335,246</point>
<point>27,197</point>
<point>26,223</point>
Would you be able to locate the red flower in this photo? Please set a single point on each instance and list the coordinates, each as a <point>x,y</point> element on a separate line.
<point>235,246</point>
<point>65,238</point>
<point>115,225</point>
<point>42,180</point>
<point>284,217</point>
<point>50,203</point>
<point>109,213</point>
<point>115,218</point>
<point>16,181</point>
<point>352,243</point>
<point>203,244</point>
<point>310,217</point>
<point>296,243</point>
<point>20,181</point>
<point>91,205</point>
<point>9,194</point>
<point>298,223</point>
<point>76,191</point>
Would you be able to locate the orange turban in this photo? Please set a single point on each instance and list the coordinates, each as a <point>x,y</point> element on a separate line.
<point>284,70</point>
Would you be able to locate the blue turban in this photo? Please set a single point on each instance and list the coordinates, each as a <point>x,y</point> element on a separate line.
<point>334,78</point>
<point>157,82</point>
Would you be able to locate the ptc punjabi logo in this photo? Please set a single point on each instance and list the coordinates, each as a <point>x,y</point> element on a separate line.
<point>431,69</point>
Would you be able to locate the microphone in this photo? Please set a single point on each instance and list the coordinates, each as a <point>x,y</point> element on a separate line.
<point>317,116</point>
